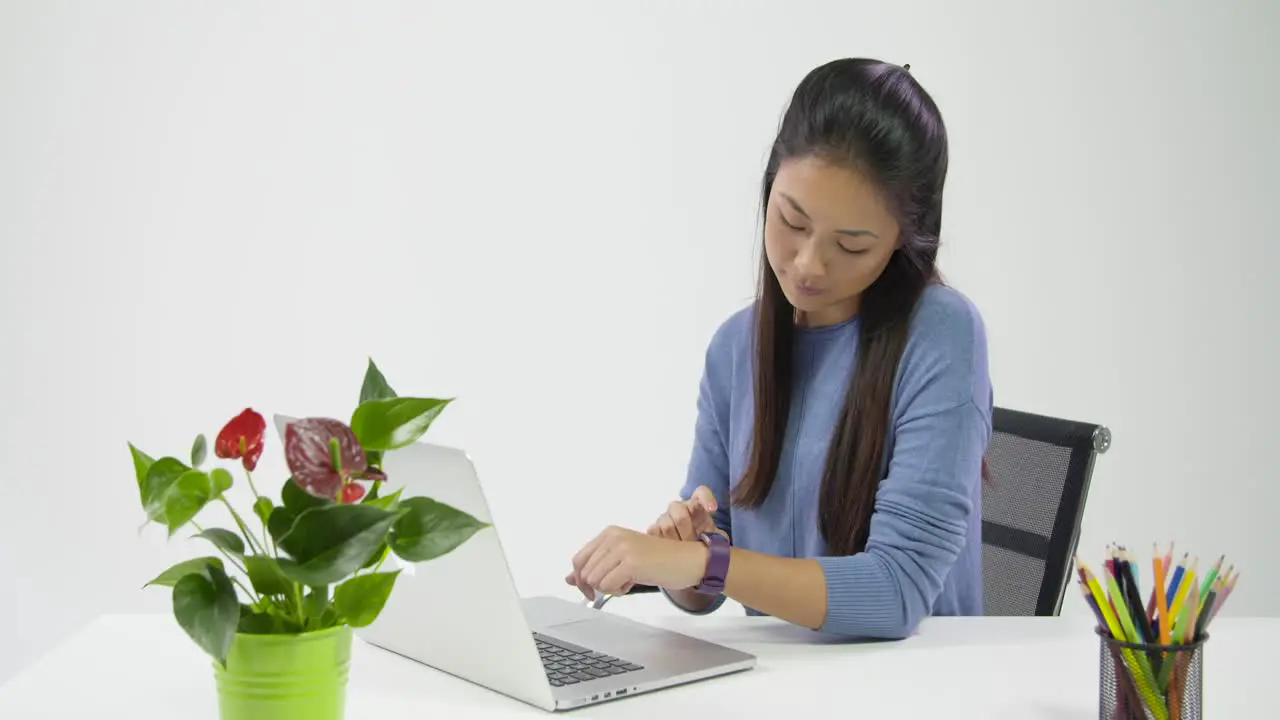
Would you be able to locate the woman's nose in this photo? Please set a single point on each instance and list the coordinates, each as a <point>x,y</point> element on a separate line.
<point>808,259</point>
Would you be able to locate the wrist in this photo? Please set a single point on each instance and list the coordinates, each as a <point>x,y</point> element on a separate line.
<point>696,556</point>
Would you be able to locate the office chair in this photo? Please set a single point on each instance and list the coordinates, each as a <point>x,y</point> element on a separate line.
<point>1040,471</point>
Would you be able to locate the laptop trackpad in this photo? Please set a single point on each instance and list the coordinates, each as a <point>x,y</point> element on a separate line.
<point>605,634</point>
<point>546,612</point>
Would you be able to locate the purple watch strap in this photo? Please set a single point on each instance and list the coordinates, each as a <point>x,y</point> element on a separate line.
<point>717,564</point>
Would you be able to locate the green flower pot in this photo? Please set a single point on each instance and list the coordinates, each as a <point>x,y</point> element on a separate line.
<point>286,677</point>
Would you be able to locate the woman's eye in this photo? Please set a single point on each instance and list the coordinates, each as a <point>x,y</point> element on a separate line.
<point>860,251</point>
<point>788,223</point>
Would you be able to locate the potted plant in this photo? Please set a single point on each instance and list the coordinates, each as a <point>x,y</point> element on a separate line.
<point>274,608</point>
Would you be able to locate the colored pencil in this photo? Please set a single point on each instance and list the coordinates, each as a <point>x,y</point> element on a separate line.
<point>1134,600</point>
<point>1162,603</point>
<point>1176,581</point>
<point>1128,693</point>
<point>1188,580</point>
<point>1211,576</point>
<point>1156,565</point>
<point>1142,673</point>
<point>1179,611</point>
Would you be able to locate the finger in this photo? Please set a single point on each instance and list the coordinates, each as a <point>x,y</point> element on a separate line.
<point>704,497</point>
<point>681,519</point>
<point>666,528</point>
<point>579,562</point>
<point>617,582</point>
<point>702,520</point>
<point>601,564</point>
<point>580,558</point>
<point>576,580</point>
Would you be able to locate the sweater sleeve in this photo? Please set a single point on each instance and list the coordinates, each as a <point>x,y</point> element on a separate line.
<point>922,508</point>
<point>709,462</point>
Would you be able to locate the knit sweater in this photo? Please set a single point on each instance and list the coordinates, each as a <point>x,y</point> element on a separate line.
<point>924,553</point>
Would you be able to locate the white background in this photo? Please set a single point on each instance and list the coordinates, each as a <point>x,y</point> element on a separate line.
<point>545,209</point>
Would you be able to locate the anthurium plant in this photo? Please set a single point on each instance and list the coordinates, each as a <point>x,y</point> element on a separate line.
<point>316,559</point>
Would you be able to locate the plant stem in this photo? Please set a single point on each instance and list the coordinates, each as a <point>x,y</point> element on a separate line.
<point>244,529</point>
<point>266,539</point>
<point>297,603</point>
<point>252,596</point>
<point>249,476</point>
<point>225,554</point>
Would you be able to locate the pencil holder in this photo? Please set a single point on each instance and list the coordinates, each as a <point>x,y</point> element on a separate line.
<point>1139,681</point>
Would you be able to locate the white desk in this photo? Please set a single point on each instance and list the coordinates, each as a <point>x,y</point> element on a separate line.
<point>143,667</point>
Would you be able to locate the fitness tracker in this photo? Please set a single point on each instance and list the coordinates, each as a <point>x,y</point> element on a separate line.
<point>717,564</point>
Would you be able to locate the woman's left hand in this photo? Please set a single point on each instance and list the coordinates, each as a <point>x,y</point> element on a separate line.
<point>619,558</point>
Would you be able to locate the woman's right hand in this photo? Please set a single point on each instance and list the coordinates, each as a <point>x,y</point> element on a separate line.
<point>688,519</point>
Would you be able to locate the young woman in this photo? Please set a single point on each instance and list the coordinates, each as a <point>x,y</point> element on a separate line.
<point>836,477</point>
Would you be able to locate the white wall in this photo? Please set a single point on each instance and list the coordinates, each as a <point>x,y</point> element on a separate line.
<point>547,210</point>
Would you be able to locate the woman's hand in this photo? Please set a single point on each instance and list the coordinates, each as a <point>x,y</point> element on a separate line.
<point>619,558</point>
<point>687,519</point>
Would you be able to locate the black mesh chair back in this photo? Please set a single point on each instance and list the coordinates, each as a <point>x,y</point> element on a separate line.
<point>1040,469</point>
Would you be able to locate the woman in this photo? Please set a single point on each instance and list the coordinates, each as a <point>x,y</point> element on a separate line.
<point>836,476</point>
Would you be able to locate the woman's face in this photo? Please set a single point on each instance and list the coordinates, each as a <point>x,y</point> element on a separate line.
<point>828,235</point>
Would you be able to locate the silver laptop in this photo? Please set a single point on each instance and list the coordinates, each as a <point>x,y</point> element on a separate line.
<point>461,613</point>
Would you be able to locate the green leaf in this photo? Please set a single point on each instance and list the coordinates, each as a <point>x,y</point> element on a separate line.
<point>222,481</point>
<point>298,500</point>
<point>375,385</point>
<point>428,529</point>
<point>262,507</point>
<point>377,556</point>
<point>161,476</point>
<point>360,599</point>
<point>198,566</point>
<point>386,502</point>
<point>207,609</point>
<point>280,523</point>
<point>253,622</point>
<point>396,422</point>
<point>265,575</point>
<point>186,498</point>
<point>199,450</point>
<point>271,620</point>
<point>326,544</point>
<point>141,464</point>
<point>329,618</point>
<point>223,539</point>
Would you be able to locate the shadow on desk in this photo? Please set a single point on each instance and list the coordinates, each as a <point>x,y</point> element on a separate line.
<point>730,625</point>
<point>934,633</point>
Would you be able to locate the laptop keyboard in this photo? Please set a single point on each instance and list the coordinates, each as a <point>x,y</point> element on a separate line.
<point>568,664</point>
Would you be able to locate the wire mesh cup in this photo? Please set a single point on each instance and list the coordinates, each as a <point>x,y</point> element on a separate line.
<point>1139,681</point>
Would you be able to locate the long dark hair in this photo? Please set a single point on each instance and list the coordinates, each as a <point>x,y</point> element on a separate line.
<point>874,118</point>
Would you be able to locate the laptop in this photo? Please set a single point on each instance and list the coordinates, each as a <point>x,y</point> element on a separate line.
<point>461,613</point>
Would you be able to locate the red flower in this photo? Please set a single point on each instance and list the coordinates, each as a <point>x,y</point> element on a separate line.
<point>242,438</point>
<point>351,493</point>
<point>324,456</point>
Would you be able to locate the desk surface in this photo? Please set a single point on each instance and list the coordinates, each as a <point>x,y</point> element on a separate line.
<point>143,667</point>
